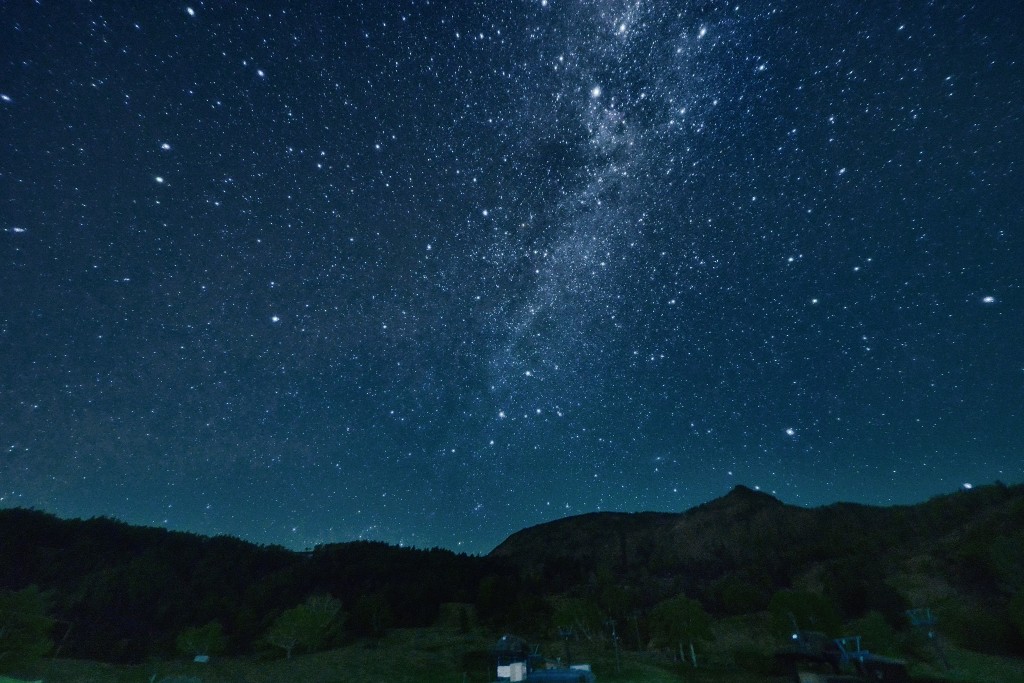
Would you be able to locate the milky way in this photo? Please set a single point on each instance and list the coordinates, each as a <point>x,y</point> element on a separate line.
<point>431,272</point>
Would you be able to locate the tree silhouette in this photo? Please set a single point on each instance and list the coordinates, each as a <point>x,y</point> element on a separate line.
<point>24,626</point>
<point>809,611</point>
<point>307,626</point>
<point>371,616</point>
<point>581,615</point>
<point>680,620</point>
<point>203,640</point>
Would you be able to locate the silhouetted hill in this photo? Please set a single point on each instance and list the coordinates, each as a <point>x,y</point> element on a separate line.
<point>126,592</point>
<point>747,525</point>
<point>968,544</point>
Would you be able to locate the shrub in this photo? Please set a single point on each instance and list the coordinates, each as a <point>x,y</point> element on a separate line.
<point>203,640</point>
<point>24,626</point>
<point>810,611</point>
<point>307,626</point>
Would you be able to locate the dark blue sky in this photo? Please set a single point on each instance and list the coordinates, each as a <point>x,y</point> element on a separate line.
<point>429,272</point>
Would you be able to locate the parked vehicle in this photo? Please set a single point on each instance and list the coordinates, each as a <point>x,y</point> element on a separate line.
<point>518,662</point>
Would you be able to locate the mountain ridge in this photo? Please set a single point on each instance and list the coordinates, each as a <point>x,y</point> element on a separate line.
<point>131,590</point>
<point>748,529</point>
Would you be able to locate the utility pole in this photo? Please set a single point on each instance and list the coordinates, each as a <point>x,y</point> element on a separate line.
<point>566,634</point>
<point>615,642</point>
<point>923,619</point>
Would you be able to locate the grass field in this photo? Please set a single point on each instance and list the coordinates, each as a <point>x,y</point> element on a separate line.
<point>439,655</point>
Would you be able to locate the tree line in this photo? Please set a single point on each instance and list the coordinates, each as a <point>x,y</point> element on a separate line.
<point>124,593</point>
<point>100,589</point>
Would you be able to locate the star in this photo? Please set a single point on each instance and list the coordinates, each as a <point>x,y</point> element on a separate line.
<point>515,247</point>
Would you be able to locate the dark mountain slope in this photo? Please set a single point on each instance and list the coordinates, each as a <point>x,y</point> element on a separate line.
<point>127,592</point>
<point>753,534</point>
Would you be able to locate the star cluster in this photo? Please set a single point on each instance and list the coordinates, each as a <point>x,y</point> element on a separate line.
<point>429,272</point>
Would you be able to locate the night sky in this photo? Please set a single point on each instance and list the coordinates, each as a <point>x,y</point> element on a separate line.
<point>430,272</point>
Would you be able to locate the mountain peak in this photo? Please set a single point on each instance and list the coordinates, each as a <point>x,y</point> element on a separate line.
<point>742,498</point>
<point>741,492</point>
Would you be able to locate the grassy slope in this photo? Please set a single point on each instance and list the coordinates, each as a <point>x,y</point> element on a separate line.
<point>404,656</point>
<point>440,656</point>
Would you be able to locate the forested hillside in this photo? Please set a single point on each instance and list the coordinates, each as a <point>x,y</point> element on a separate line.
<point>125,592</point>
<point>114,592</point>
